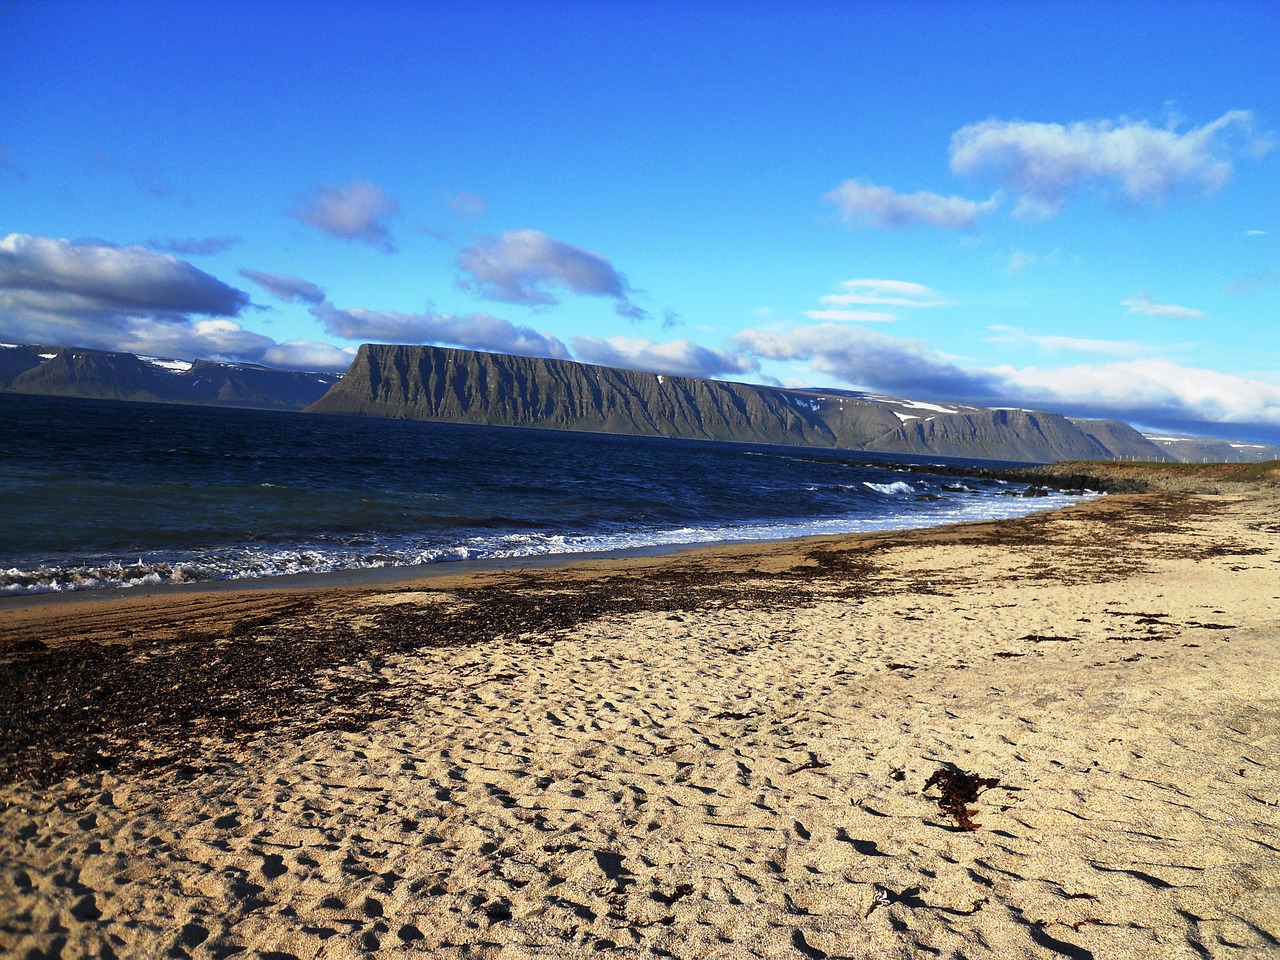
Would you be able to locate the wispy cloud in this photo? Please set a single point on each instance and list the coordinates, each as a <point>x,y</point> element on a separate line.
<point>476,331</point>
<point>862,203</point>
<point>358,211</point>
<point>1020,260</point>
<point>676,357</point>
<point>874,293</point>
<point>143,176</point>
<point>527,267</point>
<point>284,287</point>
<point>888,293</point>
<point>1044,164</point>
<point>467,206</point>
<point>193,246</point>
<point>1144,303</point>
<point>1060,344</point>
<point>1254,283</point>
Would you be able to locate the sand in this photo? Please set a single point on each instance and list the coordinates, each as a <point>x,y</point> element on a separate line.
<point>721,754</point>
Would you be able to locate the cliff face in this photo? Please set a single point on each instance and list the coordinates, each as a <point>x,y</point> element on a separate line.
<point>106,375</point>
<point>464,386</point>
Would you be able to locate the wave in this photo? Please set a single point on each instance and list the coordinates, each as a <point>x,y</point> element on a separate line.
<point>251,562</point>
<point>897,488</point>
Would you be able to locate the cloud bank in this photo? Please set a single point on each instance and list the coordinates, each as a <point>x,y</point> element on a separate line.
<point>476,331</point>
<point>1145,390</point>
<point>39,274</point>
<point>135,300</point>
<point>358,211</point>
<point>527,267</point>
<point>675,357</point>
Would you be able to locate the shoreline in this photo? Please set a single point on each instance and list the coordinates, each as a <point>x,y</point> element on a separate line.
<point>388,576</point>
<point>1069,480</point>
<point>730,751</point>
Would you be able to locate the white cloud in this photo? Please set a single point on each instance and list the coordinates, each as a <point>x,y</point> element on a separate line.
<point>1144,303</point>
<point>676,357</point>
<point>873,293</point>
<point>889,293</point>
<point>1148,390</point>
<point>526,266</point>
<point>358,211</point>
<point>476,331</point>
<point>285,287</point>
<point>216,339</point>
<point>308,355</point>
<point>1255,233</point>
<point>1043,164</point>
<point>1058,344</point>
<point>867,204</point>
<point>58,277</point>
<point>130,299</point>
<point>868,359</point>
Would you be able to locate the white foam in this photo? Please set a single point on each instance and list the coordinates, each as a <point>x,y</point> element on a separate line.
<point>253,563</point>
<point>890,489</point>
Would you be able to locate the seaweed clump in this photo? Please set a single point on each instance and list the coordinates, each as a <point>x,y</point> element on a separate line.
<point>959,789</point>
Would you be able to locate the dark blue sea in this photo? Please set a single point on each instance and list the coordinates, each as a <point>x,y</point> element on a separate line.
<point>105,495</point>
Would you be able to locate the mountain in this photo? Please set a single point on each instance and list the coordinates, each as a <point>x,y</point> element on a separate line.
<point>105,375</point>
<point>1203,450</point>
<point>466,386</point>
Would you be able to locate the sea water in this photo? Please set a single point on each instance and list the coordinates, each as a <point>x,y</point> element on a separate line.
<point>103,494</point>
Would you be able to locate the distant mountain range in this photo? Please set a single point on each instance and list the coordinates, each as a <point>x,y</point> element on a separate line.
<point>103,375</point>
<point>466,386</point>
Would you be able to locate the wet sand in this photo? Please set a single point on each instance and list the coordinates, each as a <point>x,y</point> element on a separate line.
<point>722,753</point>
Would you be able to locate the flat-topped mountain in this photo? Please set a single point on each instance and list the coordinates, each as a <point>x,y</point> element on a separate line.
<point>466,386</point>
<point>108,375</point>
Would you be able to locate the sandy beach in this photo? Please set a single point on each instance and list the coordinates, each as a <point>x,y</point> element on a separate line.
<point>1057,736</point>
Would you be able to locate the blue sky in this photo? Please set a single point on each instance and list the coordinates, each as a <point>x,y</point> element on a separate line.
<point>1066,206</point>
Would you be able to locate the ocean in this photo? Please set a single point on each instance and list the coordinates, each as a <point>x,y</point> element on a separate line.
<point>108,495</point>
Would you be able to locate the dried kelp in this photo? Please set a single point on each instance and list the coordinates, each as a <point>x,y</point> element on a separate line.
<point>958,789</point>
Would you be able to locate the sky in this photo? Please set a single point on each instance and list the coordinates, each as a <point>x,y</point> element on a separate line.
<point>1070,206</point>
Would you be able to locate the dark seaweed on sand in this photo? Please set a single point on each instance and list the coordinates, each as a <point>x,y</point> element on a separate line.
<point>959,789</point>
